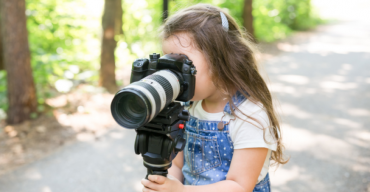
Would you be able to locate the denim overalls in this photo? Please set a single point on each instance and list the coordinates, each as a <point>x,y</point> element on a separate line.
<point>208,151</point>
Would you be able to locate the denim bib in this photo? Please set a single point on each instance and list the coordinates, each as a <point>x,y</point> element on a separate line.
<point>208,152</point>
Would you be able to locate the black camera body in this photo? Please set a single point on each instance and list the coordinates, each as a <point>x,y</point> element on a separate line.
<point>177,63</point>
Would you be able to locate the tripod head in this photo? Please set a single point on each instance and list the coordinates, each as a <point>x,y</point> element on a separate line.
<point>161,139</point>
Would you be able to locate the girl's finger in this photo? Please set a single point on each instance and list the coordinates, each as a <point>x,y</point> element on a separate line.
<point>157,178</point>
<point>150,185</point>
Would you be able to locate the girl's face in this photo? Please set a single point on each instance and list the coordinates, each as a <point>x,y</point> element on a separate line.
<point>181,43</point>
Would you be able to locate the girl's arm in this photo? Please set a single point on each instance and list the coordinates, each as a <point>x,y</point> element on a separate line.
<point>177,163</point>
<point>245,168</point>
<point>246,165</point>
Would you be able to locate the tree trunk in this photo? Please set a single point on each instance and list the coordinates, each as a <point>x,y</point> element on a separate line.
<point>1,49</point>
<point>248,17</point>
<point>119,14</point>
<point>21,89</point>
<point>165,10</point>
<point>107,59</point>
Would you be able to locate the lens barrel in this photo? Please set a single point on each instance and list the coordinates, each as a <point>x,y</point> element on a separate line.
<point>139,102</point>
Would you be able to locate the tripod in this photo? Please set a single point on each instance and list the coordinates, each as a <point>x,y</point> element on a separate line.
<point>161,139</point>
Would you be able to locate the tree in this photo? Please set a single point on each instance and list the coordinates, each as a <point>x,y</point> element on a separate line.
<point>118,18</point>
<point>165,10</point>
<point>1,50</point>
<point>248,17</point>
<point>20,85</point>
<point>112,25</point>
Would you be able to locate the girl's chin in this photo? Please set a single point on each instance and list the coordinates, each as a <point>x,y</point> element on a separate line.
<point>195,98</point>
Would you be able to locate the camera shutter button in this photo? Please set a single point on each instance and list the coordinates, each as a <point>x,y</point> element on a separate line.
<point>193,71</point>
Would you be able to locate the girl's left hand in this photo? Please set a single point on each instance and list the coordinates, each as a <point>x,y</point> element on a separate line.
<point>162,184</point>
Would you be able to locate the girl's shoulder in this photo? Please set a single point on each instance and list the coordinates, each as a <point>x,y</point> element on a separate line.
<point>252,129</point>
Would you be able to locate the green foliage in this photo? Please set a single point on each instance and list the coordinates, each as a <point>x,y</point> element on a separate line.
<point>3,94</point>
<point>64,35</point>
<point>227,5</point>
<point>268,22</point>
<point>141,20</point>
<point>275,19</point>
<point>65,45</point>
<point>58,34</point>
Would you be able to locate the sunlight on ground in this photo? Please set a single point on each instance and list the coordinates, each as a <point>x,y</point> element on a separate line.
<point>359,112</point>
<point>295,79</point>
<point>116,135</point>
<point>284,175</point>
<point>329,85</point>
<point>326,43</point>
<point>127,168</point>
<point>85,137</point>
<point>46,189</point>
<point>86,110</point>
<point>292,110</point>
<point>281,88</point>
<point>33,174</point>
<point>300,139</point>
<point>362,135</point>
<point>348,123</point>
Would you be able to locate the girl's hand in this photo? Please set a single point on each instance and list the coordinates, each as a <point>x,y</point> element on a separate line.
<point>162,184</point>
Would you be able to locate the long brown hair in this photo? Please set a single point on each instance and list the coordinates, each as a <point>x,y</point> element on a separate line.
<point>230,56</point>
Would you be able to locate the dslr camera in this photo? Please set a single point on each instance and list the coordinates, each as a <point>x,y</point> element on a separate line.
<point>153,105</point>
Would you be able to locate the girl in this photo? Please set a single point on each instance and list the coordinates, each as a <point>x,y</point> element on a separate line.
<point>233,130</point>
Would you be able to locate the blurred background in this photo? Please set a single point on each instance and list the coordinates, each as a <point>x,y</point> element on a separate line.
<point>61,62</point>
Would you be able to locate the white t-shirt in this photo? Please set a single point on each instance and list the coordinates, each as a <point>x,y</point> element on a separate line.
<point>243,134</point>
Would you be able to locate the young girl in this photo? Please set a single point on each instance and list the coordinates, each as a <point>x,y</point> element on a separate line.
<point>233,130</point>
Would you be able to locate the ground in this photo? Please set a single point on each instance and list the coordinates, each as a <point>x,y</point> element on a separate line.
<point>81,114</point>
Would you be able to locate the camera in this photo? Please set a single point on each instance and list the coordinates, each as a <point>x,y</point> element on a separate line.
<point>154,84</point>
<point>153,105</point>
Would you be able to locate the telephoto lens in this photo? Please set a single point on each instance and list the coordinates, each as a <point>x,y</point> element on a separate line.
<point>139,102</point>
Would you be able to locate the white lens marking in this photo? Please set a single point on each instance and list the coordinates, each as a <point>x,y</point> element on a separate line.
<point>158,87</point>
<point>173,81</point>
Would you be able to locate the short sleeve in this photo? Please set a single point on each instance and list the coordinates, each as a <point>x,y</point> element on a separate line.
<point>250,134</point>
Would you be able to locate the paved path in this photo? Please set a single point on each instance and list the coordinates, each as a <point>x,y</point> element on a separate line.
<point>323,85</point>
<point>108,164</point>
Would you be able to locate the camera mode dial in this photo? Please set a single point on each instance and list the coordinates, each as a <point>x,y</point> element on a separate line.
<point>187,61</point>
